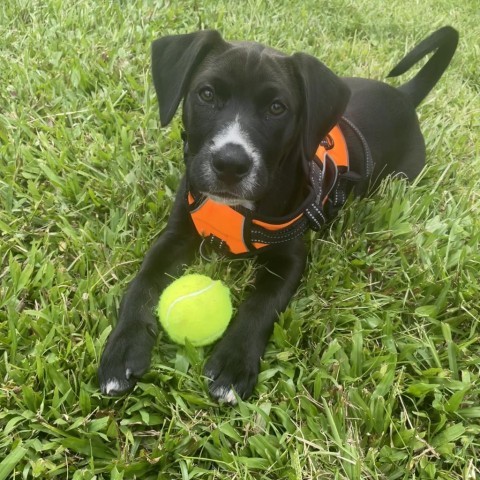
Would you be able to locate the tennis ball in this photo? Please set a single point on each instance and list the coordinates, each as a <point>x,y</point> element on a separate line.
<point>195,308</point>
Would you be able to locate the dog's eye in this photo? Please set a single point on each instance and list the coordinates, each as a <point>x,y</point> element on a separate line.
<point>277,108</point>
<point>206,94</point>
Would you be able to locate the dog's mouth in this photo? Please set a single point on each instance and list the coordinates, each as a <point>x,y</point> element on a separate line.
<point>230,199</point>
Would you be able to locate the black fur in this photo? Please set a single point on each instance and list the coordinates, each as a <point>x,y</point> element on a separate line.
<point>287,105</point>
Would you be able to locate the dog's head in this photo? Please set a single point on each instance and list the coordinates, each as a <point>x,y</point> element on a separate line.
<point>248,112</point>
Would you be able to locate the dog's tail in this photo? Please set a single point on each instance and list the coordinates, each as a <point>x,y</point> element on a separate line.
<point>444,43</point>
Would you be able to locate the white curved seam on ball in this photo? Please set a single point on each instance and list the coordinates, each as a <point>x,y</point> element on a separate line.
<point>189,295</point>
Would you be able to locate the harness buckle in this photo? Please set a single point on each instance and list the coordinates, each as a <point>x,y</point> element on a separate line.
<point>217,244</point>
<point>327,143</point>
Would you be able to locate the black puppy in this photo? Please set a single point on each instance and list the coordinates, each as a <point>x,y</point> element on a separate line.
<point>255,121</point>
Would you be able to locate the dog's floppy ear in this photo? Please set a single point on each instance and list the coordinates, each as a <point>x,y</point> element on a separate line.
<point>325,99</point>
<point>174,59</point>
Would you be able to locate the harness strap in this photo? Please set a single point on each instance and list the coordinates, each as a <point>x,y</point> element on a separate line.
<point>369,164</point>
<point>262,235</point>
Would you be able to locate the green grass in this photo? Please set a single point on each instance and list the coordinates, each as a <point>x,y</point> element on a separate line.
<point>373,371</point>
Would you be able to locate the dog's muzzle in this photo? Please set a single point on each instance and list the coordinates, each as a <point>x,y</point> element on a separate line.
<point>231,164</point>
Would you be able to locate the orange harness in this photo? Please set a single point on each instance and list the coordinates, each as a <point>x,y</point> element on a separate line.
<point>239,231</point>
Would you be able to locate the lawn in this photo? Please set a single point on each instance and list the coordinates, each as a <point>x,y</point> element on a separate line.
<point>372,372</point>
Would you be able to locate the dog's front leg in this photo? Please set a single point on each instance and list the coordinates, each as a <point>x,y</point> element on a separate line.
<point>235,360</point>
<point>127,353</point>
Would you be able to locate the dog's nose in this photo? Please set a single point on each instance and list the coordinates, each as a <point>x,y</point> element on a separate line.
<point>231,163</point>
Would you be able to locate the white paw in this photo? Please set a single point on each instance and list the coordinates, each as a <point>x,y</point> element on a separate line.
<point>225,395</point>
<point>115,387</point>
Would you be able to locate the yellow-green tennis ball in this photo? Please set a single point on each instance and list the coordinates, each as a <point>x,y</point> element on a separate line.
<point>195,308</point>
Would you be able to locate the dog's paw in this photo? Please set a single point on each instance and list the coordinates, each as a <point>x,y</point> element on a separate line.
<point>125,359</point>
<point>231,371</point>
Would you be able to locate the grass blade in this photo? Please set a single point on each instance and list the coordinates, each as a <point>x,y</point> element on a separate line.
<point>10,461</point>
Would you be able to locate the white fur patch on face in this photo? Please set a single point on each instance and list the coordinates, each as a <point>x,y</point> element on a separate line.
<point>233,133</point>
<point>232,202</point>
